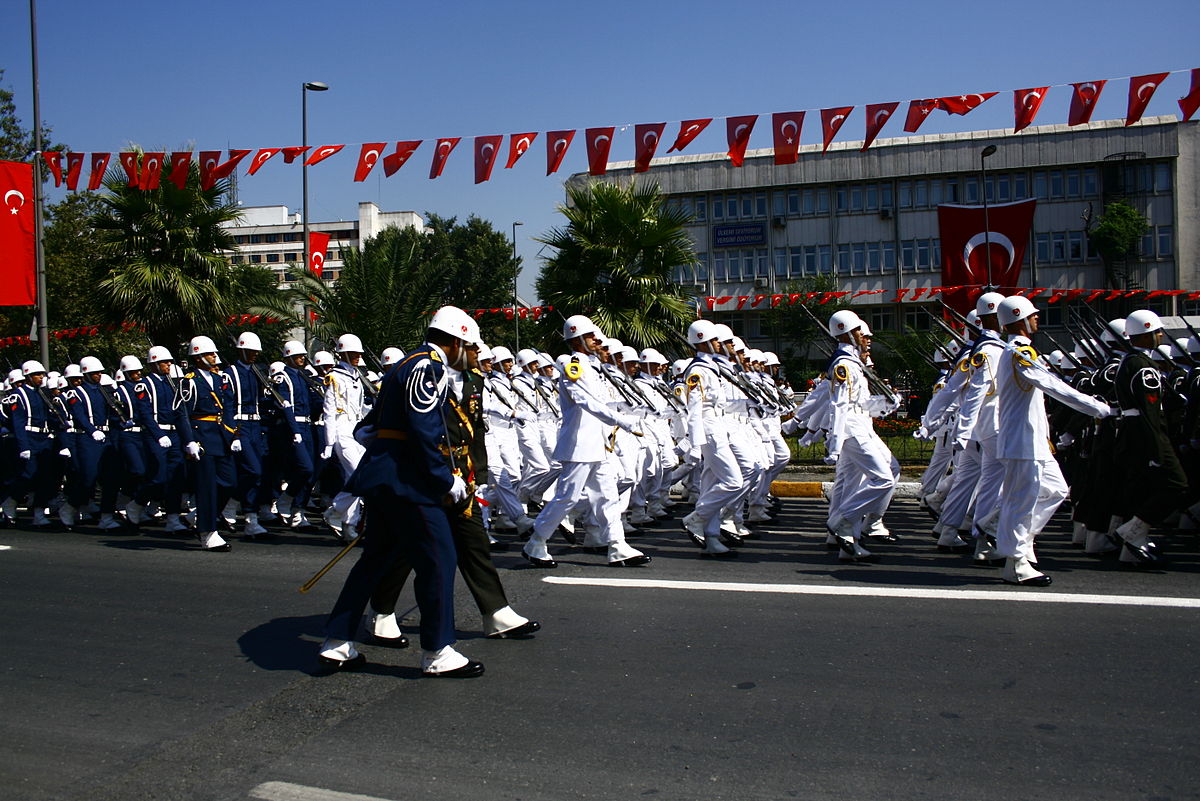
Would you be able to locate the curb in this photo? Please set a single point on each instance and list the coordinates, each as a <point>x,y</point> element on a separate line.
<point>820,489</point>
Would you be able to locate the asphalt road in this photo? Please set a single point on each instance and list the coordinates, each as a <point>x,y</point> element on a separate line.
<point>135,667</point>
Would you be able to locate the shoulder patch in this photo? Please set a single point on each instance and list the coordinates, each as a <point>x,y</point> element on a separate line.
<point>979,359</point>
<point>1026,355</point>
<point>574,371</point>
<point>189,376</point>
<point>841,373</point>
<point>693,380</point>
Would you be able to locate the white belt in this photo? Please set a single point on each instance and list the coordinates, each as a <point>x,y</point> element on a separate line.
<point>166,426</point>
<point>300,418</point>
<point>250,417</point>
<point>133,429</point>
<point>1131,412</point>
<point>38,429</point>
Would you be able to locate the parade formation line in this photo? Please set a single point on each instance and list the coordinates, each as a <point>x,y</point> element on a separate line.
<point>883,592</point>
<point>284,791</point>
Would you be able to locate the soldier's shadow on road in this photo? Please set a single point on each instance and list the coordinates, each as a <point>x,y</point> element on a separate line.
<point>290,643</point>
<point>879,574</point>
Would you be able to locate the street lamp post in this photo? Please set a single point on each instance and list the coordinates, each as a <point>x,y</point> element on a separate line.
<point>987,234</point>
<point>305,88</point>
<point>516,274</point>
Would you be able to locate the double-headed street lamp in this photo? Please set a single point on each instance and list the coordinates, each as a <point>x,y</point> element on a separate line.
<point>987,235</point>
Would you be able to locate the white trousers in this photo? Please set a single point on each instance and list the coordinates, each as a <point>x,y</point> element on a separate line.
<point>869,481</point>
<point>595,482</point>
<point>504,470</point>
<point>1033,489</point>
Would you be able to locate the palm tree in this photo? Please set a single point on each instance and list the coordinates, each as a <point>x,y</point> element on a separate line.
<point>614,260</point>
<point>165,253</point>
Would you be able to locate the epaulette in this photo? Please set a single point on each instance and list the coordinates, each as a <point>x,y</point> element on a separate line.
<point>979,359</point>
<point>1027,355</point>
<point>574,369</point>
<point>189,376</point>
<point>841,373</point>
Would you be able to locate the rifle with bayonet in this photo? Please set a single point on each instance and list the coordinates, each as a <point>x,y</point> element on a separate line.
<point>259,373</point>
<point>873,380</point>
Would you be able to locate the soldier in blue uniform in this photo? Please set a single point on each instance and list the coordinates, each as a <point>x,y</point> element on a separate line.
<point>95,455</point>
<point>406,483</point>
<point>249,446</point>
<point>295,434</point>
<point>130,437</point>
<point>30,420</point>
<point>207,399</point>
<point>162,423</point>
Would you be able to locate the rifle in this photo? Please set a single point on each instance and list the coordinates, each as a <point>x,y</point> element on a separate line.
<point>1065,352</point>
<point>256,368</point>
<point>873,378</point>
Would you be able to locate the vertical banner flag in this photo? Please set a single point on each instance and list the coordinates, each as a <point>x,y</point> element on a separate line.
<point>557,143</point>
<point>969,247</point>
<point>320,154</point>
<point>517,145</point>
<point>785,127</point>
<point>688,130</point>
<point>99,166</point>
<point>737,131</point>
<point>368,156</point>
<point>53,160</point>
<point>1083,101</point>
<point>599,142</point>
<point>832,120</point>
<point>318,242</point>
<point>877,116</point>
<point>1189,102</point>
<point>74,167</point>
<point>129,161</point>
<point>647,136</point>
<point>1141,89</point>
<point>918,110</point>
<point>440,153</point>
<point>181,165</point>
<point>1026,104</point>
<point>152,164</point>
<point>260,158</point>
<point>485,155</point>
<point>18,266</point>
<point>395,160</point>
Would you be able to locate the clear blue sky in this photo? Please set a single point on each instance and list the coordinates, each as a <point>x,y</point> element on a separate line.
<point>221,74</point>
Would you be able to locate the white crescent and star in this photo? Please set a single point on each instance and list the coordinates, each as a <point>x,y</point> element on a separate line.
<point>560,145</point>
<point>1087,92</point>
<point>1151,85</point>
<point>650,138</point>
<point>836,121</point>
<point>737,132</point>
<point>487,150</point>
<point>992,238</point>
<point>883,112</point>
<point>261,158</point>
<point>326,151</point>
<point>691,128</point>
<point>445,145</point>
<point>1028,96</point>
<point>371,157</point>
<point>523,144</point>
<point>783,129</point>
<point>598,139</point>
<point>20,197</point>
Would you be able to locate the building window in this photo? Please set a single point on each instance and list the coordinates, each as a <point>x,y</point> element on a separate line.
<point>1020,190</point>
<point>763,266</point>
<point>781,263</point>
<point>1166,245</point>
<point>951,190</point>
<point>874,258</point>
<point>272,258</point>
<point>1075,250</point>
<point>793,202</point>
<point>882,319</point>
<point>970,190</point>
<point>733,265</point>
<point>1162,177</point>
<point>872,202</point>
<point>842,202</point>
<point>778,204</point>
<point>935,192</point>
<point>731,207</point>
<point>889,257</point>
<point>810,260</point>
<point>718,208</point>
<point>856,198</point>
<point>826,254</point>
<point>1040,190</point>
<point>843,260</point>
<point>822,201</point>
<point>858,252</point>
<point>701,209</point>
<point>255,239</point>
<point>1056,184</point>
<point>908,250</point>
<point>1058,247</point>
<point>748,205</point>
<point>702,267</point>
<point>719,267</point>
<point>1003,188</point>
<point>885,196</point>
<point>1073,183</point>
<point>272,238</point>
<point>809,205</point>
<point>760,204</point>
<point>235,259</point>
<point>916,319</point>
<point>904,190</point>
<point>923,254</point>
<point>255,258</point>
<point>1089,182</point>
<point>1042,248</point>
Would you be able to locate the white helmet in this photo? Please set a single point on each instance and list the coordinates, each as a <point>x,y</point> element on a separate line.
<point>562,361</point>
<point>72,371</point>
<point>739,344</point>
<point>1142,321</point>
<point>119,376</point>
<point>677,367</point>
<point>200,345</point>
<point>940,356</point>
<point>159,354</point>
<point>32,367</point>
<point>348,343</point>
<point>546,359</point>
<point>55,382</point>
<point>90,364</point>
<point>866,330</point>
<point>485,353</point>
<point>843,322</point>
<point>771,359</point>
<point>628,354</point>
<point>501,354</point>
<point>276,368</point>
<point>107,381</point>
<point>14,376</point>
<point>390,356</point>
<point>323,358</point>
<point>973,318</point>
<point>724,332</point>
<point>1161,353</point>
<point>1114,331</point>
<point>701,331</point>
<point>756,355</point>
<point>293,348</point>
<point>1056,358</point>
<point>1081,352</point>
<point>457,323</point>
<point>528,356</point>
<point>1180,346</point>
<point>652,356</point>
<point>988,303</point>
<point>249,341</point>
<point>1015,308</point>
<point>578,325</point>
<point>129,363</point>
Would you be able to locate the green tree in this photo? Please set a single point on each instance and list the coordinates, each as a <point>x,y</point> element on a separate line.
<point>1116,236</point>
<point>613,261</point>
<point>799,343</point>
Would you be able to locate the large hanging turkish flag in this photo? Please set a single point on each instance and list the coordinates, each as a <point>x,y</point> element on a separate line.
<point>18,265</point>
<point>969,245</point>
<point>318,242</point>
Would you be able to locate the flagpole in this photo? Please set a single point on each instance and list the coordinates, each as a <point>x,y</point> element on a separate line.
<point>40,258</point>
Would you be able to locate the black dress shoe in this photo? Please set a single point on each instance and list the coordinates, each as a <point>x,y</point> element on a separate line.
<point>718,554</point>
<point>695,538</point>
<point>570,536</point>
<point>544,564</point>
<point>633,561</point>
<point>342,664</point>
<point>389,642</point>
<point>887,539</point>
<point>732,540</point>
<point>467,671</point>
<point>522,632</point>
<point>1035,581</point>
<point>1147,553</point>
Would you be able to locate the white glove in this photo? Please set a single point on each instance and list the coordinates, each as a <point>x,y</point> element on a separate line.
<point>287,404</point>
<point>164,441</point>
<point>192,449</point>
<point>831,458</point>
<point>458,490</point>
<point>26,455</point>
<point>65,452</point>
<point>328,452</point>
<point>98,435</point>
<point>298,439</point>
<point>922,433</point>
<point>1065,441</point>
<point>809,438</point>
<point>236,446</point>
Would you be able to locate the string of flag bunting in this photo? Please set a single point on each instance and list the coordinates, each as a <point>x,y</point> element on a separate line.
<point>924,294</point>
<point>145,170</point>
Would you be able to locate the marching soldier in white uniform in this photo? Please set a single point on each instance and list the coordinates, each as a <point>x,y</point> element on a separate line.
<point>344,408</point>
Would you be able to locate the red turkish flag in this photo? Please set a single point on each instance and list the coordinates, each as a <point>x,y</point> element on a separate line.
<point>557,143</point>
<point>1141,89</point>
<point>1189,103</point>
<point>832,120</point>
<point>53,160</point>
<point>599,142</point>
<point>367,156</point>
<point>442,152</point>
<point>74,167</point>
<point>688,130</point>
<point>967,248</point>
<point>517,145</point>
<point>99,165</point>
<point>261,158</point>
<point>226,168</point>
<point>485,155</point>
<point>321,153</point>
<point>181,166</point>
<point>918,110</point>
<point>877,116</point>
<point>785,128</point>
<point>647,136</point>
<point>318,242</point>
<point>1026,103</point>
<point>152,164</point>
<point>963,103</point>
<point>18,266</point>
<point>129,161</point>
<point>209,161</point>
<point>291,153</point>
<point>1083,101</point>
<point>737,132</point>
<point>395,160</point>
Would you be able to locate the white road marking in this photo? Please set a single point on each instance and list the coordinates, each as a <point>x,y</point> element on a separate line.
<point>5,547</point>
<point>1029,596</point>
<point>284,791</point>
